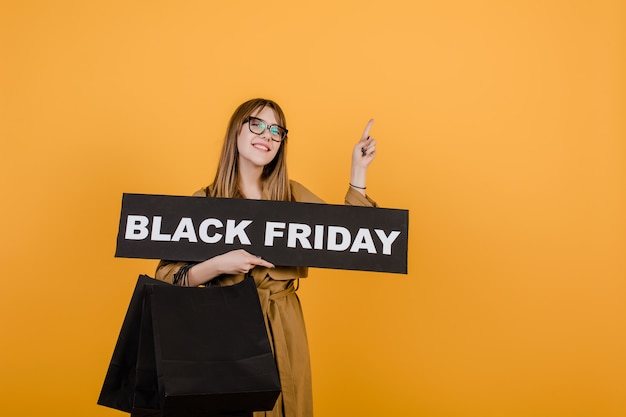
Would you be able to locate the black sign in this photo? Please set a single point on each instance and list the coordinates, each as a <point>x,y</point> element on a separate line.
<point>284,233</point>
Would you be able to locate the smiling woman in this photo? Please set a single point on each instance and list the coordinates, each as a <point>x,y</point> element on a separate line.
<point>253,165</point>
<point>257,147</point>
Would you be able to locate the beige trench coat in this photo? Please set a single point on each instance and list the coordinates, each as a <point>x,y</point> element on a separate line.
<point>283,316</point>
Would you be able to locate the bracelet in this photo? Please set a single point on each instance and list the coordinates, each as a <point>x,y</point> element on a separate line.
<point>181,277</point>
<point>360,188</point>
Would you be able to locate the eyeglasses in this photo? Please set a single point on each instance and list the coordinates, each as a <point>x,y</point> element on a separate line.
<point>258,126</point>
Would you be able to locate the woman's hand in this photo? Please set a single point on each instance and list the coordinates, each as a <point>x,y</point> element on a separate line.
<point>362,156</point>
<point>239,262</point>
<point>235,262</point>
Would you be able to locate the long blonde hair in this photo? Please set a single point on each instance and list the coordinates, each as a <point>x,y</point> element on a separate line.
<point>274,177</point>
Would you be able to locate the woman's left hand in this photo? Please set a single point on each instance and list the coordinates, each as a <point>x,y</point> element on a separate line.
<point>362,156</point>
<point>365,149</point>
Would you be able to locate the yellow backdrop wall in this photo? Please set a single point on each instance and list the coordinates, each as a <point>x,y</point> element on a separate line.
<point>500,126</point>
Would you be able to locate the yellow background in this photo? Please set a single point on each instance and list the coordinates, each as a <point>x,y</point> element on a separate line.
<point>500,126</point>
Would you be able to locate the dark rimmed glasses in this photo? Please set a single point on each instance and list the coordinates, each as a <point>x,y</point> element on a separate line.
<point>258,126</point>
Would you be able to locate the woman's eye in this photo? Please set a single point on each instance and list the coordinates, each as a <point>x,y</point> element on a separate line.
<point>274,130</point>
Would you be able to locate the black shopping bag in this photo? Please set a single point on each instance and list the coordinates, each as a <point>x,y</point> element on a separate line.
<point>118,390</point>
<point>192,351</point>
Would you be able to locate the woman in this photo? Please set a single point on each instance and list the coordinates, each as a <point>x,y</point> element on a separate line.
<point>253,165</point>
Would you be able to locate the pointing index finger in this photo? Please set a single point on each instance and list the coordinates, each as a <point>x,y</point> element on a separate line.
<point>366,132</point>
<point>262,262</point>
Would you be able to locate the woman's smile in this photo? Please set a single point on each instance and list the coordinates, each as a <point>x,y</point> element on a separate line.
<point>261,146</point>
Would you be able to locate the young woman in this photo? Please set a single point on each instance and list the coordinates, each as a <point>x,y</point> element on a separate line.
<point>253,165</point>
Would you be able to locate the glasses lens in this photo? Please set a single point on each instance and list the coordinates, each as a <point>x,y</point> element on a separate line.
<point>256,125</point>
<point>276,132</point>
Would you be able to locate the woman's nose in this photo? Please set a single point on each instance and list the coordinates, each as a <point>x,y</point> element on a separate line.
<point>266,134</point>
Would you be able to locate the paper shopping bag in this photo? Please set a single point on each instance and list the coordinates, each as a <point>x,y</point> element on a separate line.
<point>118,390</point>
<point>192,351</point>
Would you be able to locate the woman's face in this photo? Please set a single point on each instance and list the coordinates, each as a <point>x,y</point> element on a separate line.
<point>256,151</point>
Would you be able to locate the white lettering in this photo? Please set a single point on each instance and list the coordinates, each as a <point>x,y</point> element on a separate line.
<point>237,230</point>
<point>204,230</point>
<point>299,232</point>
<point>185,230</point>
<point>293,235</point>
<point>363,240</point>
<point>319,237</point>
<point>271,232</point>
<point>156,231</point>
<point>333,232</point>
<point>387,240</point>
<point>136,227</point>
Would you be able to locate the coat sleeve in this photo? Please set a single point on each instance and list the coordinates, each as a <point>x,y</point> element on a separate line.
<point>355,198</point>
<point>166,270</point>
